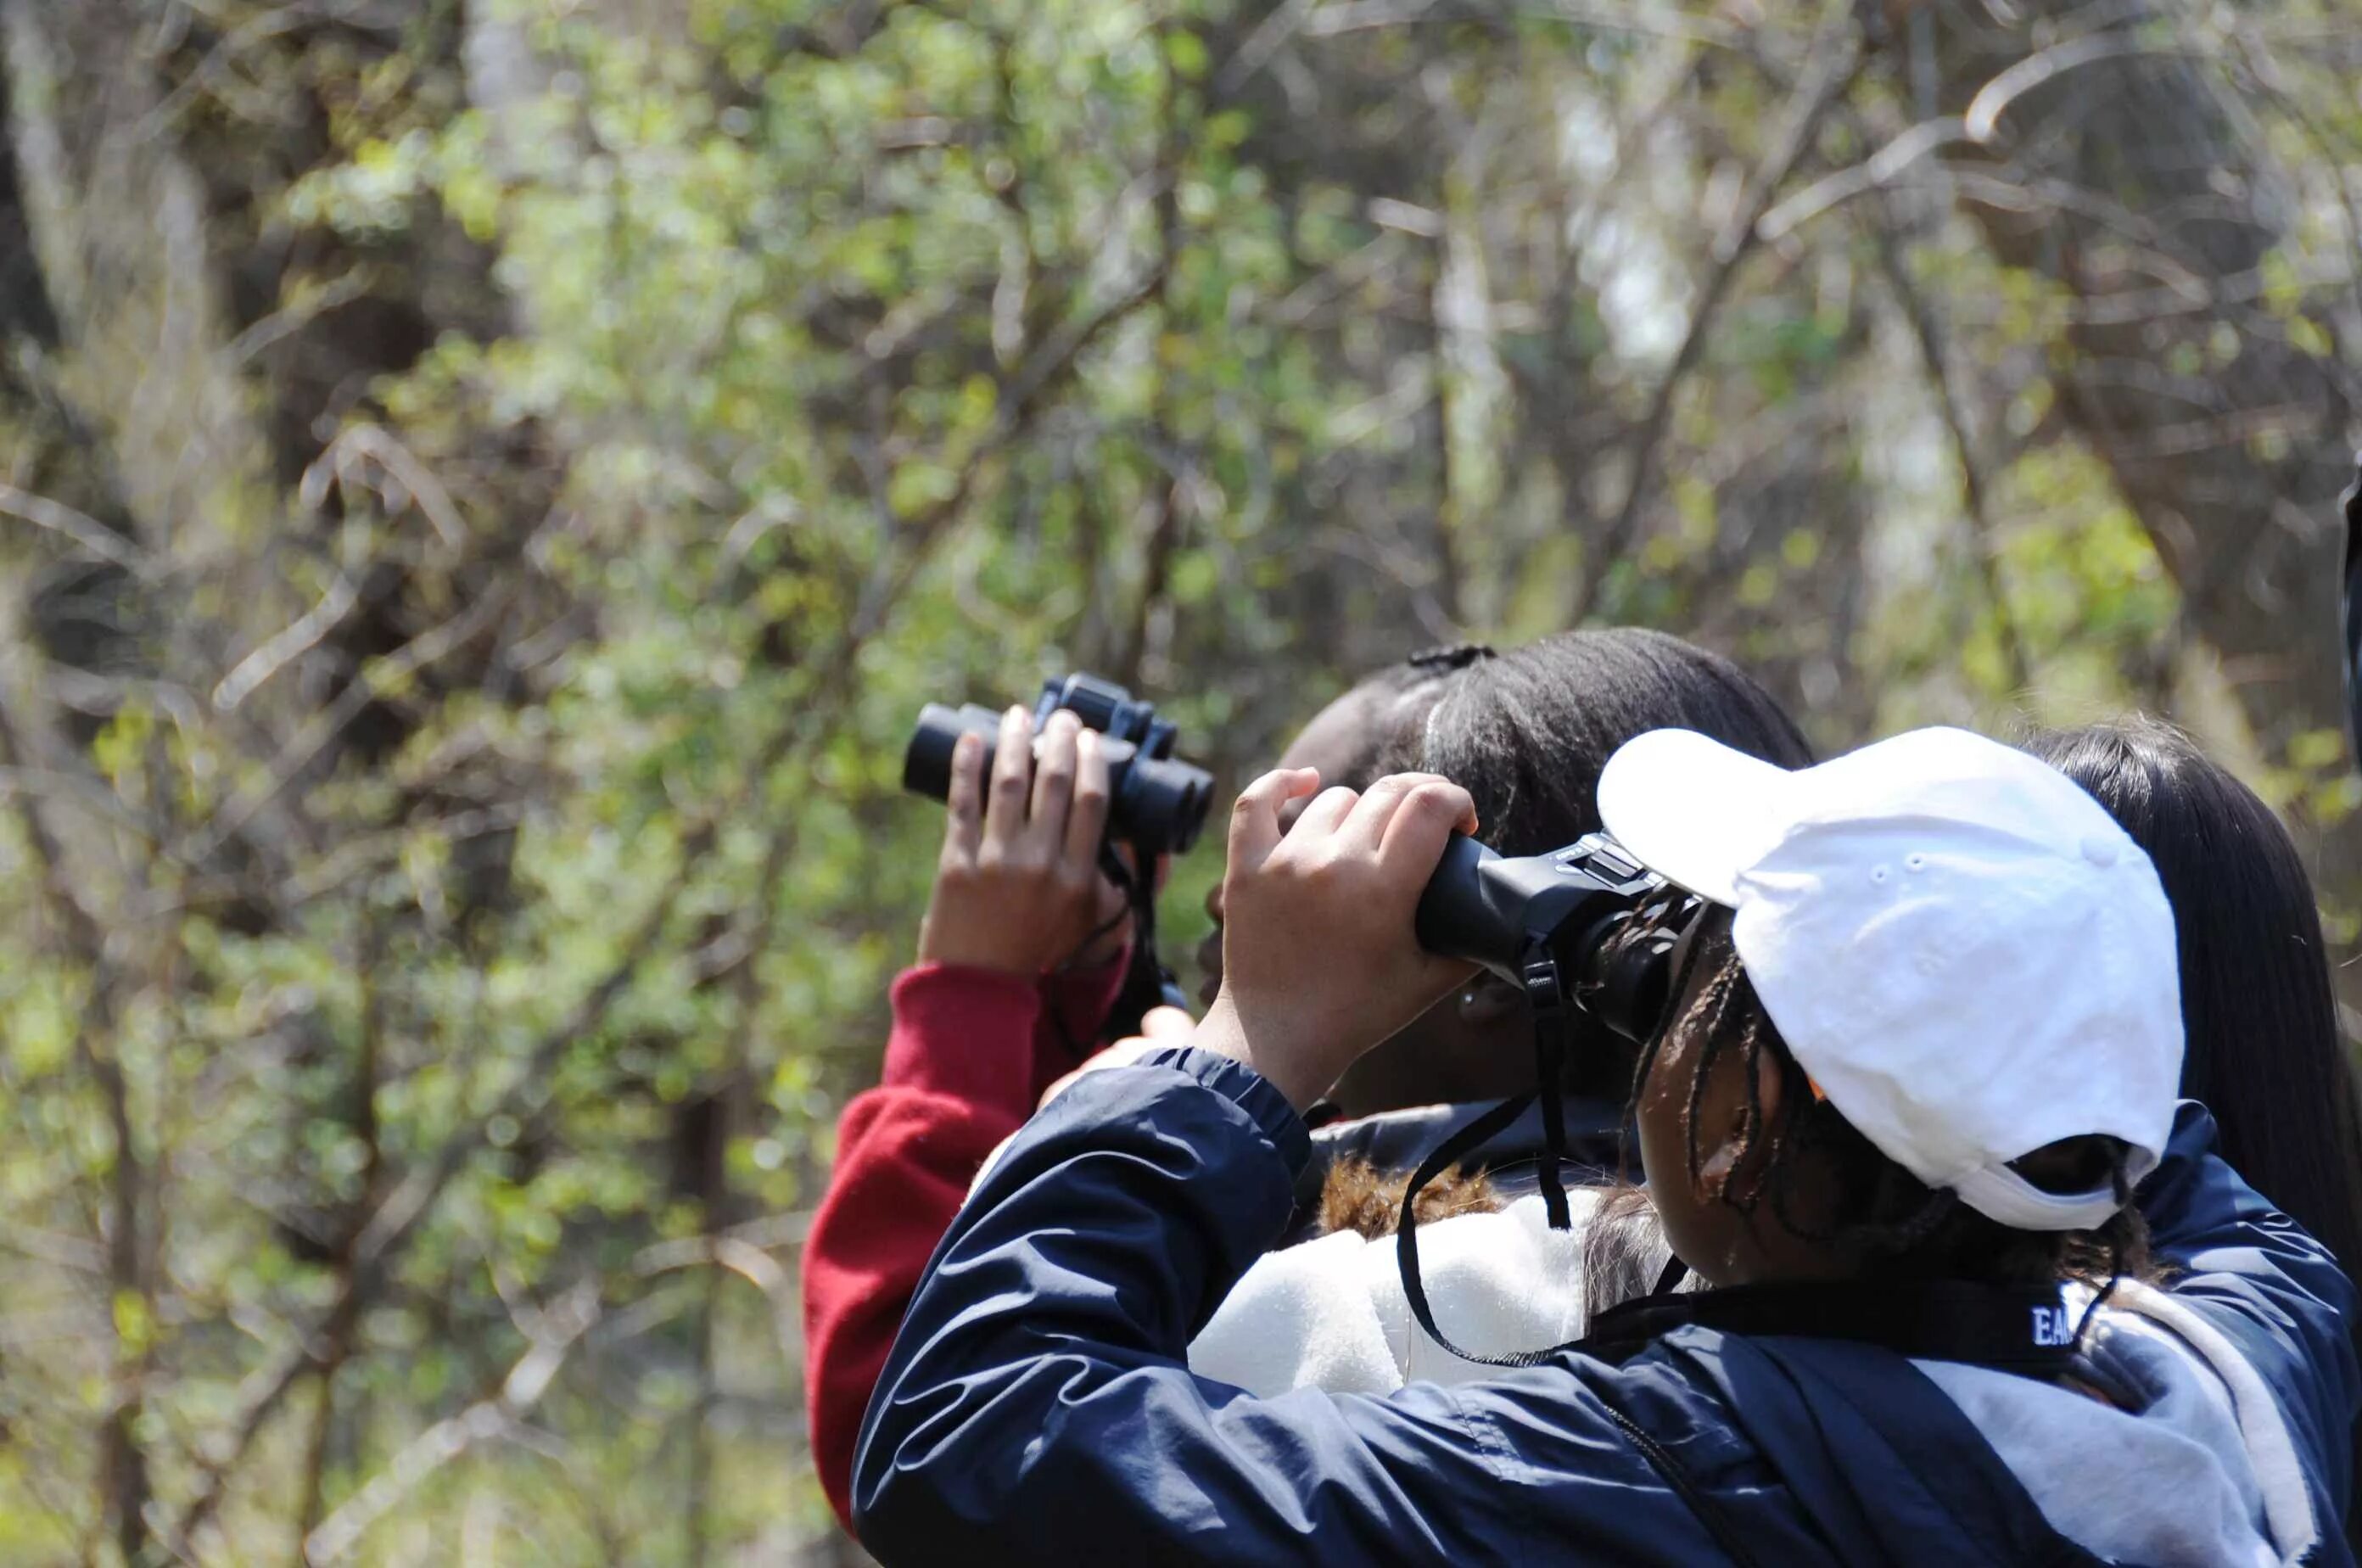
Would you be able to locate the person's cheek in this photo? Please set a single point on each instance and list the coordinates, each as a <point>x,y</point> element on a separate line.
<point>1657,1119</point>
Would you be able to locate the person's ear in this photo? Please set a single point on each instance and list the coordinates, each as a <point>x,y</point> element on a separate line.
<point>1487,1001</point>
<point>1724,1117</point>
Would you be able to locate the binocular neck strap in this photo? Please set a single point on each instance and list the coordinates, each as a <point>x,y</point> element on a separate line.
<point>1548,998</point>
<point>2024,1328</point>
<point>1538,970</point>
<point>1462,1143</point>
<point>1147,983</point>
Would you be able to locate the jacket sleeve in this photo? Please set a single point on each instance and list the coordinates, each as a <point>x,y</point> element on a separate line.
<point>959,1065</point>
<point>2254,1274</point>
<point>1036,1407</point>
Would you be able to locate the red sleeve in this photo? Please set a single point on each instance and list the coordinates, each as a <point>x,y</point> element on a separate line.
<point>959,1071</point>
<point>971,1055</point>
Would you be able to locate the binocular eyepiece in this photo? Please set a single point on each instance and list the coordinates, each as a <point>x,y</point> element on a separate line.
<point>1156,802</point>
<point>1583,908</point>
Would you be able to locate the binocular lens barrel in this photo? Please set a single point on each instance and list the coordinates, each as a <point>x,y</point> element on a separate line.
<point>1157,804</point>
<point>1577,902</point>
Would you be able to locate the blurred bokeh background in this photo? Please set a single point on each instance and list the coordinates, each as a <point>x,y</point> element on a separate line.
<point>485,485</point>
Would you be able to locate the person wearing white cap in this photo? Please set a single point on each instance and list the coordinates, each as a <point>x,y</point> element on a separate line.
<point>1938,950</point>
<point>1922,1042</point>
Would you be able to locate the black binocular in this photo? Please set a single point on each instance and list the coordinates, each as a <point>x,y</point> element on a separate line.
<point>1570,921</point>
<point>1156,802</point>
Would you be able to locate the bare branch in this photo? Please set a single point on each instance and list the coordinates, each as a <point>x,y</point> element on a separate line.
<point>361,443</point>
<point>95,537</point>
<point>1878,170</point>
<point>520,1390</point>
<point>1982,120</point>
<point>1983,545</point>
<point>285,645</point>
<point>426,649</point>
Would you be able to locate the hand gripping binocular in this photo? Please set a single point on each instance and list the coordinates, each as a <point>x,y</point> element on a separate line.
<point>1156,802</point>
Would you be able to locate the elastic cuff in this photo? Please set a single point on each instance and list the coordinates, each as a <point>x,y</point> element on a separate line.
<point>1250,1091</point>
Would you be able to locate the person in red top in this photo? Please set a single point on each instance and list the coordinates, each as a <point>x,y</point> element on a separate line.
<point>1020,956</point>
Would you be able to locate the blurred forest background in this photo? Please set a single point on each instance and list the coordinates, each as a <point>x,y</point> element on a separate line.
<point>485,485</point>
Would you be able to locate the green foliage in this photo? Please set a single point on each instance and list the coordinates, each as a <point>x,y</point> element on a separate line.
<point>841,359</point>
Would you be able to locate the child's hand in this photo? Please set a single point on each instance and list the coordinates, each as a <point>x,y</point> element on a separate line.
<point>1320,959</point>
<point>1018,887</point>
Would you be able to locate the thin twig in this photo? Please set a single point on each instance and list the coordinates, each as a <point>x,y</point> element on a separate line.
<point>1993,99</point>
<point>396,667</point>
<point>1877,172</point>
<point>285,645</point>
<point>1982,546</point>
<point>95,537</point>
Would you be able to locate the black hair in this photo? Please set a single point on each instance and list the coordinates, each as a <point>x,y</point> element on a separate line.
<point>2260,1036</point>
<point>1527,732</point>
<point>1398,697</point>
<point>1879,1214</point>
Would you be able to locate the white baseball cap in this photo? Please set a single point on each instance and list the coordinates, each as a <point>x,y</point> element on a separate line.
<point>1961,947</point>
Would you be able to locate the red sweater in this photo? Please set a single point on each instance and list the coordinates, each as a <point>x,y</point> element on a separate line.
<point>971,1055</point>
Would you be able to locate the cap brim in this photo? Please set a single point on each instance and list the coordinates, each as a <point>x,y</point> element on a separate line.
<point>1693,809</point>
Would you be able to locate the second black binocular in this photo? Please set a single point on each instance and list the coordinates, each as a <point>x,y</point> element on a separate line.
<point>1579,909</point>
<point>1157,803</point>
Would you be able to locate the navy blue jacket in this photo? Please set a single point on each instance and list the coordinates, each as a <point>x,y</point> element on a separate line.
<point>1037,1407</point>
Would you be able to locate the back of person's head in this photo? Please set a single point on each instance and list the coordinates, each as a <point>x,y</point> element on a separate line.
<point>1346,742</point>
<point>1926,1027</point>
<point>2261,1048</point>
<point>1351,739</point>
<point>1525,732</point>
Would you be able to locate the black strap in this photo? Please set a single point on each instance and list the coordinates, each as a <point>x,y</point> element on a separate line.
<point>1478,1131</point>
<point>1147,983</point>
<point>2026,1329</point>
<point>1548,997</point>
<point>1549,1000</point>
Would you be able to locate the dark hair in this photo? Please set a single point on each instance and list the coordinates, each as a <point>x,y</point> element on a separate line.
<point>1398,698</point>
<point>1527,732</point>
<point>1878,1212</point>
<point>2260,1041</point>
